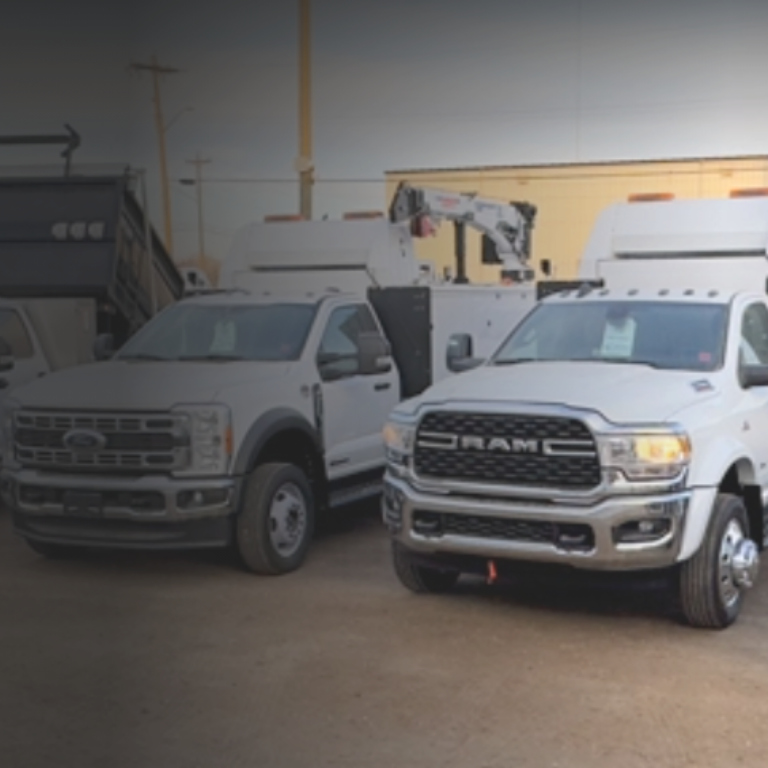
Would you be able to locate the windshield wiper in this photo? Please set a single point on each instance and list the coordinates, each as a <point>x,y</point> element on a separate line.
<point>516,360</point>
<point>612,361</point>
<point>209,358</point>
<point>143,356</point>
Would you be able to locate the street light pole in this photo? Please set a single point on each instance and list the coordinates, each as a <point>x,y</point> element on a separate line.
<point>304,163</point>
<point>156,70</point>
<point>199,162</point>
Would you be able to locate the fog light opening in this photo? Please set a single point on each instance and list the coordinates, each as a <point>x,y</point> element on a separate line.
<point>428,524</point>
<point>642,531</point>
<point>574,537</point>
<point>199,499</point>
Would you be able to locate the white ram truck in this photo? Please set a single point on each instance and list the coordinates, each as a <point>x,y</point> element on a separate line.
<point>622,428</point>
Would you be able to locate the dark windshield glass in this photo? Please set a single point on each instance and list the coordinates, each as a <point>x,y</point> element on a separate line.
<point>684,336</point>
<point>270,332</point>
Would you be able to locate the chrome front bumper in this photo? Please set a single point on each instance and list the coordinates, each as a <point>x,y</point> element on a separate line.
<point>401,503</point>
<point>95,510</point>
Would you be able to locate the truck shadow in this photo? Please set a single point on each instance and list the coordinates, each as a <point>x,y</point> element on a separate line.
<point>580,593</point>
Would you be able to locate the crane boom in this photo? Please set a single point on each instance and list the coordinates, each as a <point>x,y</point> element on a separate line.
<point>505,227</point>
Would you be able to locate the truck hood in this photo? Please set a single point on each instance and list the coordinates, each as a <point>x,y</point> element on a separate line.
<point>621,393</point>
<point>140,385</point>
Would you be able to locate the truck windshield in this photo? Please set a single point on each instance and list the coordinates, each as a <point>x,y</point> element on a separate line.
<point>218,332</point>
<point>680,336</point>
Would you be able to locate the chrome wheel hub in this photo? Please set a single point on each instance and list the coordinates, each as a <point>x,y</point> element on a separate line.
<point>738,564</point>
<point>287,519</point>
<point>746,564</point>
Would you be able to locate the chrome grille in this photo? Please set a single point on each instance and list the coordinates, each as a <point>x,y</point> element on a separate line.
<point>131,442</point>
<point>513,449</point>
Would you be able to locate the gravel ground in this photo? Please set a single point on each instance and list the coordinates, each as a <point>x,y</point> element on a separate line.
<point>184,660</point>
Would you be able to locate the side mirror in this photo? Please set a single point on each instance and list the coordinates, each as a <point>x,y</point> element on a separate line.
<point>754,376</point>
<point>104,346</point>
<point>458,355</point>
<point>546,267</point>
<point>374,353</point>
<point>7,361</point>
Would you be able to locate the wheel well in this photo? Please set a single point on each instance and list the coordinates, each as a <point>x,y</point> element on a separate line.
<point>738,481</point>
<point>292,446</point>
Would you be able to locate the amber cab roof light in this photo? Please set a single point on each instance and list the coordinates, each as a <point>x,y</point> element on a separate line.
<point>284,217</point>
<point>351,215</point>
<point>650,197</point>
<point>750,192</point>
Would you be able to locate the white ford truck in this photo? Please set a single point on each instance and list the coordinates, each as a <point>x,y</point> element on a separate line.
<point>235,416</point>
<point>618,428</point>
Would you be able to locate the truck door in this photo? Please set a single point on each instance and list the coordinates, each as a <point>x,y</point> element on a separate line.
<point>753,350</point>
<point>355,406</point>
<point>28,360</point>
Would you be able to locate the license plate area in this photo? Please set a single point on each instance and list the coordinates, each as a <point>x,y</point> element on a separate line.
<point>82,503</point>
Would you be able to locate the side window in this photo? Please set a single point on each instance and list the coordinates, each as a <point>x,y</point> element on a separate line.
<point>753,348</point>
<point>338,354</point>
<point>13,331</point>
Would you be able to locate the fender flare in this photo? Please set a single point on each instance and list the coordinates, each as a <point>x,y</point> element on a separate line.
<point>708,476</point>
<point>264,428</point>
<point>724,454</point>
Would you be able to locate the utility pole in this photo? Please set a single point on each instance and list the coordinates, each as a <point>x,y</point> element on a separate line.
<point>156,69</point>
<point>304,162</point>
<point>199,162</point>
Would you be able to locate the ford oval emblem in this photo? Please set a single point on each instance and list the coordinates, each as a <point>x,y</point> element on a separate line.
<point>84,440</point>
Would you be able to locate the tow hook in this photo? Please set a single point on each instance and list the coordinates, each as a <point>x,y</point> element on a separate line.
<point>492,574</point>
<point>745,564</point>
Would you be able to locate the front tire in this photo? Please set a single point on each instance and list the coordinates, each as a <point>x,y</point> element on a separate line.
<point>713,581</point>
<point>419,578</point>
<point>276,524</point>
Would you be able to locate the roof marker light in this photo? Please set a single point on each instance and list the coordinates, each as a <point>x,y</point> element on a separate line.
<point>355,215</point>
<point>650,197</point>
<point>750,192</point>
<point>284,217</point>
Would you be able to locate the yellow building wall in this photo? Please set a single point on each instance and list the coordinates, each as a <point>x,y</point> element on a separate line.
<point>569,198</point>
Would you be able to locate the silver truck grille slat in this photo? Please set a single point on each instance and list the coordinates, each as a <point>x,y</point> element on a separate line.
<point>131,442</point>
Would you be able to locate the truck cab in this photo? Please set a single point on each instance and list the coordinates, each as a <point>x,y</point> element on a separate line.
<point>228,419</point>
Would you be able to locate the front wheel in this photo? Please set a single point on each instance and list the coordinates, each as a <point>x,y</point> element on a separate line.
<point>714,580</point>
<point>276,523</point>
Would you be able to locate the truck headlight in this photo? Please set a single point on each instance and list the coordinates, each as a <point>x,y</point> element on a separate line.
<point>646,456</point>
<point>210,433</point>
<point>399,438</point>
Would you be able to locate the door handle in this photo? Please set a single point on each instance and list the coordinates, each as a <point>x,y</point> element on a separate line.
<point>380,387</point>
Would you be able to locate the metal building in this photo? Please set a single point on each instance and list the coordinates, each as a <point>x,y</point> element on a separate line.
<point>569,197</point>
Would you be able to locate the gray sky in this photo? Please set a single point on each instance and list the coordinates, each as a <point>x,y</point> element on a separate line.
<point>397,84</point>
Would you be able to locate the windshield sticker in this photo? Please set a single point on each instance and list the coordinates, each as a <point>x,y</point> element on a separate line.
<point>224,339</point>
<point>619,338</point>
<point>702,385</point>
